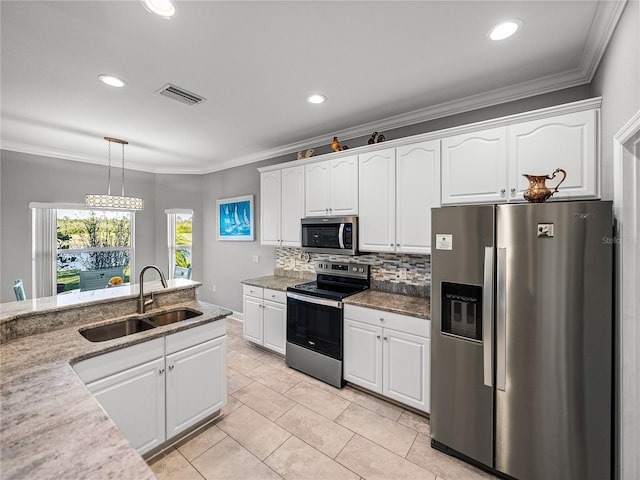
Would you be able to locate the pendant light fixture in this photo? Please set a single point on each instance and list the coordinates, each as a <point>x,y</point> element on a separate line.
<point>119,202</point>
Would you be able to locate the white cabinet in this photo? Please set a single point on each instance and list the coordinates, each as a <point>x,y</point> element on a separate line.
<point>331,187</point>
<point>474,167</point>
<point>265,317</point>
<point>397,189</point>
<point>487,166</point>
<point>281,206</point>
<point>196,384</point>
<point>565,141</point>
<point>134,399</point>
<point>388,353</point>
<point>159,388</point>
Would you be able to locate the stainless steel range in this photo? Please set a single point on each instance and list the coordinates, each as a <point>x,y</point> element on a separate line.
<point>315,317</point>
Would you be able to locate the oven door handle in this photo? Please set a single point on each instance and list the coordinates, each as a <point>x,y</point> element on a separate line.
<point>316,300</point>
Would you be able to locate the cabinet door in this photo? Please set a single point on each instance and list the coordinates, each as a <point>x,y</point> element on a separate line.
<point>316,189</point>
<point>253,325</point>
<point>343,196</point>
<point>134,400</point>
<point>292,205</point>
<point>565,141</point>
<point>406,368</point>
<point>363,355</point>
<point>270,209</point>
<point>275,325</point>
<point>377,201</point>
<point>196,384</point>
<point>417,191</point>
<point>474,167</point>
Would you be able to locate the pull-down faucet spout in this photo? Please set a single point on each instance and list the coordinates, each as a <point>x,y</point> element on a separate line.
<point>142,304</point>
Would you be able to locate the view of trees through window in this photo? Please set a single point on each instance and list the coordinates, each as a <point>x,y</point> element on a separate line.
<point>92,240</point>
<point>181,245</point>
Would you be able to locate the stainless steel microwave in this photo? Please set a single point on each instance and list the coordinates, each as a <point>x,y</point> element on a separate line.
<point>337,235</point>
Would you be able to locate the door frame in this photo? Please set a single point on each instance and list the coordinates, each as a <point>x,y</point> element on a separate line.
<point>626,170</point>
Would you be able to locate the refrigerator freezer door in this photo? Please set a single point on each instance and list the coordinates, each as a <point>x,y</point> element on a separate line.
<point>461,403</point>
<point>553,412</point>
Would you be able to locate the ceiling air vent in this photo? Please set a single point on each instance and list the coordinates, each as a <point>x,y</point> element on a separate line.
<point>180,94</point>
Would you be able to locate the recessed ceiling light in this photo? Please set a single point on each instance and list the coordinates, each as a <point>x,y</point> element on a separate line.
<point>505,29</point>
<point>164,8</point>
<point>111,80</point>
<point>316,99</point>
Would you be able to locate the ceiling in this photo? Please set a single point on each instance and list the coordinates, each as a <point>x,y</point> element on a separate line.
<point>381,64</point>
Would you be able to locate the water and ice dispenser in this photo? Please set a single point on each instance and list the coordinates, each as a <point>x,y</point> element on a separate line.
<point>462,310</point>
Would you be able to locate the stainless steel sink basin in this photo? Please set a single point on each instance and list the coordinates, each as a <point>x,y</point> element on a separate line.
<point>166,318</point>
<point>116,330</point>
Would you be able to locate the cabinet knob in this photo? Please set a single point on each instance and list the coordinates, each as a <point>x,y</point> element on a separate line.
<point>391,244</point>
<point>502,192</point>
<point>171,367</point>
<point>377,336</point>
<point>397,244</point>
<point>386,338</point>
<point>160,371</point>
<point>513,192</point>
<point>381,319</point>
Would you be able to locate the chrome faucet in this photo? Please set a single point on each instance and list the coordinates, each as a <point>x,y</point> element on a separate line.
<point>142,304</point>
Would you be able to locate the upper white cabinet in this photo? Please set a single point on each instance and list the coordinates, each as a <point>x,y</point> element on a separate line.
<point>397,188</point>
<point>474,167</point>
<point>487,166</point>
<point>331,187</point>
<point>282,206</point>
<point>565,141</point>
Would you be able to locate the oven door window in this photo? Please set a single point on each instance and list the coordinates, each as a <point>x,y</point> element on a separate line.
<point>316,327</point>
<point>321,236</point>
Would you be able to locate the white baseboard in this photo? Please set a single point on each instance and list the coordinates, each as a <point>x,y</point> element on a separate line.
<point>239,316</point>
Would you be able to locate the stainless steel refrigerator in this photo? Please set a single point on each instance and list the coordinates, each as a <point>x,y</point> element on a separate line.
<point>521,346</point>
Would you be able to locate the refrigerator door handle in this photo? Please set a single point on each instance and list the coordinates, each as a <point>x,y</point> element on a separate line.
<point>487,317</point>
<point>501,321</point>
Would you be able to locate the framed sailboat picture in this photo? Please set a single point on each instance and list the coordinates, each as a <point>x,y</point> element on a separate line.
<point>234,218</point>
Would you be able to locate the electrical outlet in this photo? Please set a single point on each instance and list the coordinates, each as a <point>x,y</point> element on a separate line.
<point>256,259</point>
<point>213,289</point>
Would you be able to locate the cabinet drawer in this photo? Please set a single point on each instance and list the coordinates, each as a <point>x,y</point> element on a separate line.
<point>275,295</point>
<point>395,321</point>
<point>194,336</point>
<point>252,291</point>
<point>95,368</point>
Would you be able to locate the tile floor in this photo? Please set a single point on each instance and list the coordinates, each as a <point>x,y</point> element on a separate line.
<point>280,423</point>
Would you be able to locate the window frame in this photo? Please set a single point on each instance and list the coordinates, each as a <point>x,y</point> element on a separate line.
<point>172,215</point>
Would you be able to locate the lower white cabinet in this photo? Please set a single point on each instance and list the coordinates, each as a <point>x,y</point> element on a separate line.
<point>265,317</point>
<point>388,353</point>
<point>157,389</point>
<point>196,384</point>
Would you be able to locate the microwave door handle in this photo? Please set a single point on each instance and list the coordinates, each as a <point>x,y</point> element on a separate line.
<point>341,235</point>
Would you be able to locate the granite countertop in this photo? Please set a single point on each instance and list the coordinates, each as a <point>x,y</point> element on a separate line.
<point>51,425</point>
<point>392,302</point>
<point>274,282</point>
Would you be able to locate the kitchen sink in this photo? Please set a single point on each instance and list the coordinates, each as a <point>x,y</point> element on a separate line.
<point>129,326</point>
<point>166,318</point>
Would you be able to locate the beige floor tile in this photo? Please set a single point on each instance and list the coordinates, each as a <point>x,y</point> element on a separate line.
<point>320,401</point>
<point>241,362</point>
<point>248,349</point>
<point>276,379</point>
<point>378,429</point>
<point>173,466</point>
<point>264,400</point>
<point>253,431</point>
<point>236,381</point>
<point>373,462</point>
<point>315,382</point>
<point>316,430</point>
<point>443,465</point>
<point>294,460</point>
<point>234,326</point>
<point>229,460</point>
<point>197,444</point>
<point>419,423</point>
<point>372,403</point>
<point>232,404</point>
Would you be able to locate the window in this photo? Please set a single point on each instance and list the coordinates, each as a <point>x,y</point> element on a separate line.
<point>180,239</point>
<point>94,248</point>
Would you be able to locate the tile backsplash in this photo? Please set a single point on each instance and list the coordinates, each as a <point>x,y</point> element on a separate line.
<point>395,273</point>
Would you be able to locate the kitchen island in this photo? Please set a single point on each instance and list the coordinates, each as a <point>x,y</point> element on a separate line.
<point>51,425</point>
